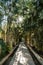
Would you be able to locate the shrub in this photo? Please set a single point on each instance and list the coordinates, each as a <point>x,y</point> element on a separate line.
<point>3,48</point>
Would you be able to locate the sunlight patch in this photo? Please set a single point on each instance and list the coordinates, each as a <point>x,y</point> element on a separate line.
<point>24,47</point>
<point>20,58</point>
<point>23,60</point>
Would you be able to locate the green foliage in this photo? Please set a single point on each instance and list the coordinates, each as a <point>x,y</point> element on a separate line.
<point>9,47</point>
<point>33,21</point>
<point>32,12</point>
<point>3,49</point>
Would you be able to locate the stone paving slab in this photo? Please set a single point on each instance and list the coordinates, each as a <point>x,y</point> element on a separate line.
<point>22,56</point>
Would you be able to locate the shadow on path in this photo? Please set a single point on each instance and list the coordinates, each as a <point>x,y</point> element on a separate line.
<point>22,56</point>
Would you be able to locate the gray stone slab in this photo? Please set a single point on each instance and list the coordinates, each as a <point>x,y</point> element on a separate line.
<point>22,56</point>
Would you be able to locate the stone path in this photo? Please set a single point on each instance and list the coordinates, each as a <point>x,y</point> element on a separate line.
<point>22,56</point>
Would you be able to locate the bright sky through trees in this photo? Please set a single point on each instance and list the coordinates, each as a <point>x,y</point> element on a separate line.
<point>4,22</point>
<point>20,19</point>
